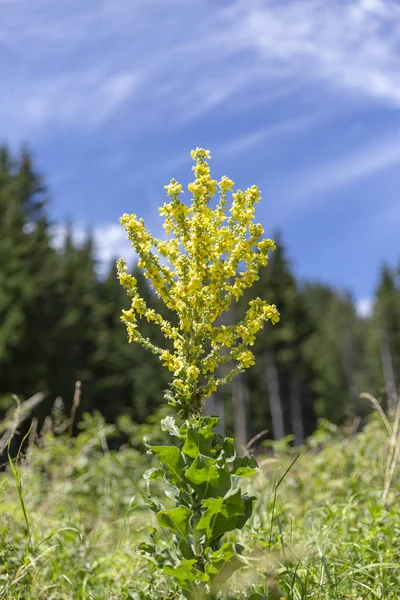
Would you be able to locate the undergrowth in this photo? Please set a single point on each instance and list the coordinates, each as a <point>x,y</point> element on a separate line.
<point>73,512</point>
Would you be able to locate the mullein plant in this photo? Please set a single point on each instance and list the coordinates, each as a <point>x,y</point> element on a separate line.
<point>208,259</point>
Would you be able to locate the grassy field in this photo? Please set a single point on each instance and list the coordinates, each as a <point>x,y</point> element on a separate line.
<point>72,515</point>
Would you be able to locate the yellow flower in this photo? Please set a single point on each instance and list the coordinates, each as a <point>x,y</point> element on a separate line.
<point>246,358</point>
<point>173,188</point>
<point>200,154</point>
<point>226,184</point>
<point>198,278</point>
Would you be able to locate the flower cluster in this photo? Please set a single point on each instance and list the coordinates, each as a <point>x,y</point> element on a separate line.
<point>210,259</point>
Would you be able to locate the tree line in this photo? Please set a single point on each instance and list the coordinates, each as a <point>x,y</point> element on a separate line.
<point>60,323</point>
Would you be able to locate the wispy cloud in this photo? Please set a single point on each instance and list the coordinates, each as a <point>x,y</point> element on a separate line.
<point>109,93</point>
<point>233,146</point>
<point>81,99</point>
<point>254,138</point>
<point>178,60</point>
<point>352,46</point>
<point>374,157</point>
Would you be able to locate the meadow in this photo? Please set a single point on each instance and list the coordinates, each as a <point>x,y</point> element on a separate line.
<point>73,513</point>
<point>91,510</point>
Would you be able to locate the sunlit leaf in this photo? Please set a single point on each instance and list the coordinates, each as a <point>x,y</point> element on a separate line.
<point>176,520</point>
<point>220,515</point>
<point>171,458</point>
<point>209,477</point>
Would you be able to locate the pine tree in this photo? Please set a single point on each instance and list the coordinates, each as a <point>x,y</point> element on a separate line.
<point>336,352</point>
<point>276,381</point>
<point>73,336</point>
<point>27,268</point>
<point>387,331</point>
<point>128,379</point>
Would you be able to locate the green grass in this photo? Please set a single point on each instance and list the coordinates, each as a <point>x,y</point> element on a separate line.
<point>72,516</point>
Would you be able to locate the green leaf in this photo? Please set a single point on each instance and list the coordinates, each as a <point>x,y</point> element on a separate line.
<point>208,477</point>
<point>154,504</point>
<point>185,549</point>
<point>229,449</point>
<point>198,441</point>
<point>152,553</point>
<point>186,573</point>
<point>248,511</point>
<point>223,563</point>
<point>210,422</point>
<point>171,491</point>
<point>244,467</point>
<point>148,548</point>
<point>154,473</point>
<point>172,459</point>
<point>176,520</point>
<point>215,559</point>
<point>168,424</point>
<point>170,398</point>
<point>221,515</point>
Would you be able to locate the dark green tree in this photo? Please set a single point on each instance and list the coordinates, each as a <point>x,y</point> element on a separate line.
<point>280,397</point>
<point>75,327</point>
<point>384,339</point>
<point>336,352</point>
<point>28,265</point>
<point>127,378</point>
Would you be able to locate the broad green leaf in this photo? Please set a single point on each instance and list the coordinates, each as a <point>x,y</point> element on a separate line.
<point>186,549</point>
<point>201,423</point>
<point>222,565</point>
<point>245,472</point>
<point>229,448</point>
<point>225,551</point>
<point>198,441</point>
<point>208,477</point>
<point>172,491</point>
<point>186,573</point>
<point>210,421</point>
<point>171,458</point>
<point>219,556</point>
<point>248,510</point>
<point>176,520</point>
<point>221,515</point>
<point>244,467</point>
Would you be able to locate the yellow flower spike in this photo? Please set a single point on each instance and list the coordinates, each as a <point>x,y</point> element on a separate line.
<point>200,154</point>
<point>173,188</point>
<point>226,184</point>
<point>246,358</point>
<point>198,277</point>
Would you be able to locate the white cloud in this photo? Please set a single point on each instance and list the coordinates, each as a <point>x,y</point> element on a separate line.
<point>74,62</point>
<point>249,140</point>
<point>352,46</point>
<point>364,307</point>
<point>84,99</point>
<point>110,242</point>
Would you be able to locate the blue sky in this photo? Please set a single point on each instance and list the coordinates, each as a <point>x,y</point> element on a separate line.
<point>299,97</point>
